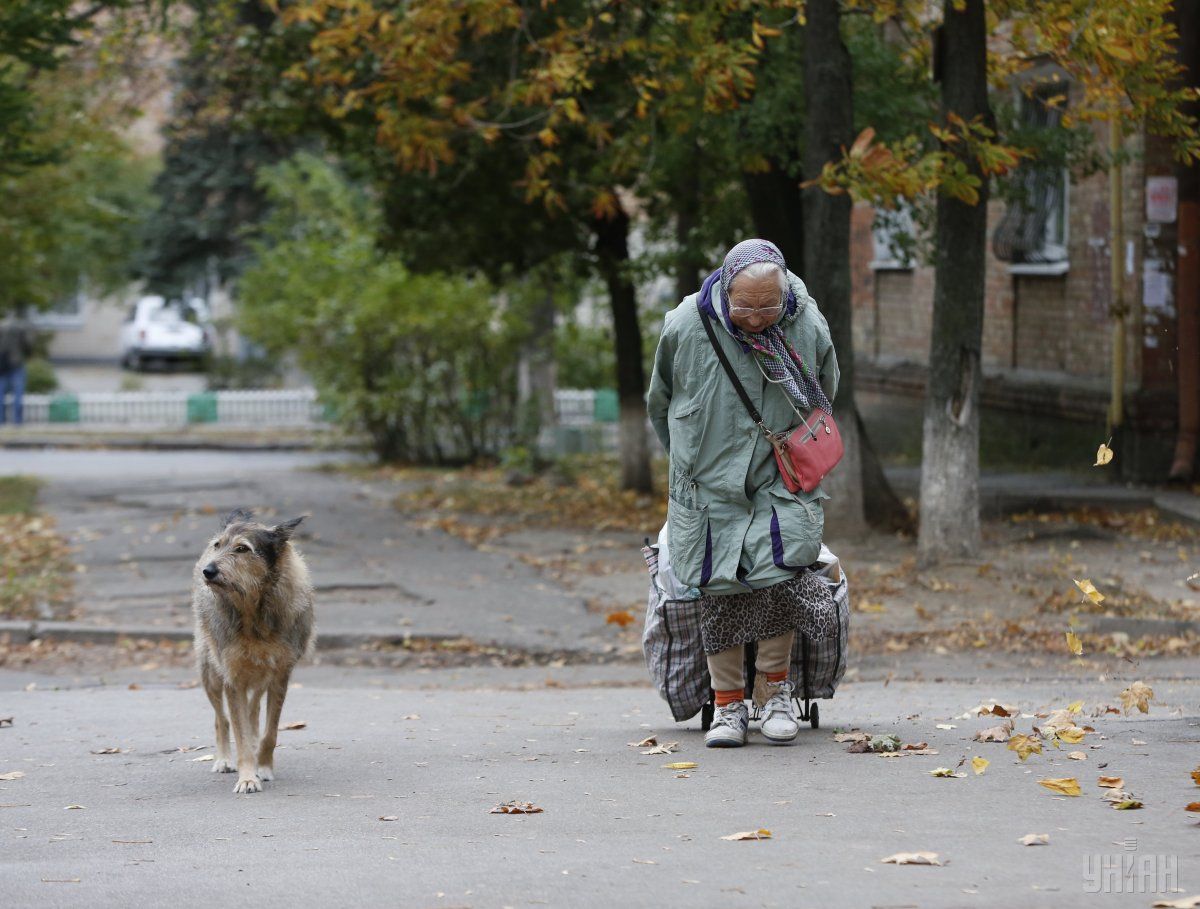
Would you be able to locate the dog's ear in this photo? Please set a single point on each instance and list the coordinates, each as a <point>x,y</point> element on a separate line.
<point>283,532</point>
<point>238,515</point>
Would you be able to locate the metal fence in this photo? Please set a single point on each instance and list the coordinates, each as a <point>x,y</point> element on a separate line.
<point>574,408</point>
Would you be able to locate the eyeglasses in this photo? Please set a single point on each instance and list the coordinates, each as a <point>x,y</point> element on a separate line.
<point>756,310</point>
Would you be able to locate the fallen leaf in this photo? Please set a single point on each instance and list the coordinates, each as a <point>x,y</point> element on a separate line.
<point>681,765</point>
<point>1089,590</point>
<point>995,733</point>
<point>1074,644</point>
<point>294,724</point>
<point>1138,695</point>
<point>620,617</point>
<point>1196,776</point>
<point>644,743</point>
<point>1192,806</point>
<point>1187,902</point>
<point>74,808</point>
<point>388,817</point>
<point>1111,782</point>
<point>664,748</point>
<point>1065,786</point>
<point>851,737</point>
<point>979,764</point>
<point>516,808</point>
<point>6,721</point>
<point>11,775</point>
<point>1104,455</point>
<point>644,862</point>
<point>106,751</point>
<point>748,835</point>
<point>1072,735</point>
<point>1077,756</point>
<point>946,772</point>
<point>203,757</point>
<point>1035,839</point>
<point>946,726</point>
<point>1075,707</point>
<point>412,716</point>
<point>912,858</point>
<point>1024,746</point>
<point>1136,742</point>
<point>915,746</point>
<point>1127,805</point>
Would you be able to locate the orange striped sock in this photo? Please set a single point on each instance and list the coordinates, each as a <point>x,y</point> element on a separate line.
<point>777,676</point>
<point>732,696</point>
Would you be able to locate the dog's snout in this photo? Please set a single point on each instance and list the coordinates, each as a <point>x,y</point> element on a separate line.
<point>210,571</point>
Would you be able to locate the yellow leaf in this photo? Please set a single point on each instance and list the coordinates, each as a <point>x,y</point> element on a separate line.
<point>1075,707</point>
<point>1024,746</point>
<point>1065,786</point>
<point>761,834</point>
<point>682,765</point>
<point>1074,644</point>
<point>945,772</point>
<point>979,765</point>
<point>1137,695</point>
<point>1072,735</point>
<point>1127,804</point>
<point>1090,591</point>
<point>1104,455</point>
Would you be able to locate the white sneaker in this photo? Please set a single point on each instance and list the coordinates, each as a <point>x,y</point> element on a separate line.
<point>779,726</point>
<point>729,726</point>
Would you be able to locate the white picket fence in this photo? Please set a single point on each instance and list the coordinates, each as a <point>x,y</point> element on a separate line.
<point>290,407</point>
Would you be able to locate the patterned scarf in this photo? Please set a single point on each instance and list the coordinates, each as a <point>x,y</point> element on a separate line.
<point>778,359</point>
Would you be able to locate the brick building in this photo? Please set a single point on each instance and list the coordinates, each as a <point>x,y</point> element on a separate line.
<point>1047,338</point>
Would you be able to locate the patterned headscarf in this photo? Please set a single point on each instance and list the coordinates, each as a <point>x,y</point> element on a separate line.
<point>775,354</point>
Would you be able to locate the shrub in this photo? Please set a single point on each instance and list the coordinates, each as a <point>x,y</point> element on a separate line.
<point>39,377</point>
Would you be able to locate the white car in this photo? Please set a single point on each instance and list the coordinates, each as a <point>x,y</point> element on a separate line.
<point>158,329</point>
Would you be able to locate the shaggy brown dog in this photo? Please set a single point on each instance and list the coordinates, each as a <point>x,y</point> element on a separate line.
<point>253,604</point>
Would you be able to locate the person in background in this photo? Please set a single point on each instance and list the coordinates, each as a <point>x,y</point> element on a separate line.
<point>16,344</point>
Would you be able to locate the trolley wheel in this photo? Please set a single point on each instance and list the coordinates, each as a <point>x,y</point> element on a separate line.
<point>814,715</point>
<point>706,716</point>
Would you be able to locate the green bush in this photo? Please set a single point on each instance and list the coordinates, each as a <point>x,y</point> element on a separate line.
<point>39,377</point>
<point>425,364</point>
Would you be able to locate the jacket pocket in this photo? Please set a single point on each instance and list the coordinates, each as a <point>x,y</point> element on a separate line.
<point>690,542</point>
<point>797,522</point>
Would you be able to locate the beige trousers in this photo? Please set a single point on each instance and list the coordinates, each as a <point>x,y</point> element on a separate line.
<point>728,669</point>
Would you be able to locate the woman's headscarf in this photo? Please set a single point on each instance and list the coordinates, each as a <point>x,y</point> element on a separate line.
<point>775,354</point>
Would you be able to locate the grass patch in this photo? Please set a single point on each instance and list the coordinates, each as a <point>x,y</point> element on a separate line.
<point>35,570</point>
<point>18,495</point>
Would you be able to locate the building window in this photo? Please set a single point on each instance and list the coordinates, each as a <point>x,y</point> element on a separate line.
<point>894,237</point>
<point>1032,235</point>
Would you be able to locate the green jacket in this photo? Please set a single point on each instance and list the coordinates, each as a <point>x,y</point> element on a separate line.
<point>733,524</point>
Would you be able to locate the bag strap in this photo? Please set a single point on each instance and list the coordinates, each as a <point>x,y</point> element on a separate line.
<point>737,385</point>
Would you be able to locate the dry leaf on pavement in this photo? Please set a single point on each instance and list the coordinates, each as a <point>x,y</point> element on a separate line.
<point>106,751</point>
<point>516,808</point>
<point>1064,786</point>
<point>664,748</point>
<point>946,726</point>
<point>294,724</point>
<point>1111,782</point>
<point>1196,776</point>
<point>912,858</point>
<point>620,617</point>
<point>1138,695</point>
<point>1035,839</point>
<point>1024,746</point>
<point>748,835</point>
<point>6,721</point>
<point>11,775</point>
<point>644,743</point>
<point>852,737</point>
<point>1127,804</point>
<point>203,757</point>
<point>388,817</point>
<point>979,764</point>
<point>74,807</point>
<point>1192,806</point>
<point>681,765</point>
<point>946,772</point>
<point>1074,644</point>
<point>1077,756</point>
<point>1187,902</point>
<point>995,733</point>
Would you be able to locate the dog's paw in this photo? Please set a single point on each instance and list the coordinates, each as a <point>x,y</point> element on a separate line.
<point>248,784</point>
<point>265,773</point>
<point>223,765</point>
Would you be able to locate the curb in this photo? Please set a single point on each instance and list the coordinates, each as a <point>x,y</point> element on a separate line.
<point>84,444</point>
<point>25,632</point>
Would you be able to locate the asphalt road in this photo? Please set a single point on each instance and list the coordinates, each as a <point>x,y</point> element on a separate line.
<point>157,828</point>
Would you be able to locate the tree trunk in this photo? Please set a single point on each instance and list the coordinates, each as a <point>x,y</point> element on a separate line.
<point>949,515</point>
<point>689,261</point>
<point>858,488</point>
<point>536,374</point>
<point>612,257</point>
<point>777,210</point>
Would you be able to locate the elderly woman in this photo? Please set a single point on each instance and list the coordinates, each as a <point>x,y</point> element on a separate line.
<point>735,530</point>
